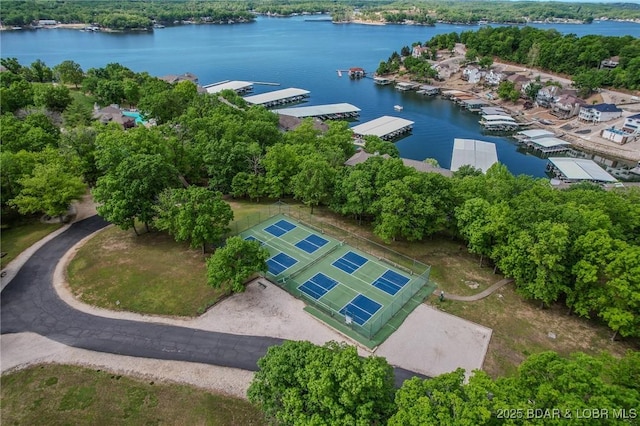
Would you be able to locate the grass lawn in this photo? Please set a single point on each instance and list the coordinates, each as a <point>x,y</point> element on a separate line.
<point>60,394</point>
<point>15,239</point>
<point>157,275</point>
<point>150,274</point>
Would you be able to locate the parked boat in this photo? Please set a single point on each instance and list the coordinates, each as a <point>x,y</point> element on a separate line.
<point>398,107</point>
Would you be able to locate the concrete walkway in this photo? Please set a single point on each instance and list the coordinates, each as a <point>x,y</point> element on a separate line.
<point>478,296</point>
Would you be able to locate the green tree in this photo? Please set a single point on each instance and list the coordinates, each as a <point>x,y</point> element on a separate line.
<point>69,72</point>
<point>194,214</point>
<point>40,72</point>
<point>53,97</point>
<point>485,62</point>
<point>129,191</point>
<point>314,182</point>
<point>234,263</point>
<point>373,145</point>
<point>300,383</point>
<point>50,190</point>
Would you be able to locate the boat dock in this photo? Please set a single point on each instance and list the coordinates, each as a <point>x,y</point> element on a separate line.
<point>342,111</point>
<point>240,87</point>
<point>478,154</point>
<point>578,170</point>
<point>497,122</point>
<point>385,127</point>
<point>405,86</point>
<point>428,90</point>
<point>382,81</point>
<point>278,97</point>
<point>542,140</point>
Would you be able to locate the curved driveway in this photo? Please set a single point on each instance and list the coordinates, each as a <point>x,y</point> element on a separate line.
<point>30,303</point>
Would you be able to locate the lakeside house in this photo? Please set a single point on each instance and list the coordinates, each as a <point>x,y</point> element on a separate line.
<point>171,78</point>
<point>567,106</point>
<point>421,166</point>
<point>610,63</point>
<point>113,114</point>
<point>632,124</point>
<point>473,75</point>
<point>599,113</point>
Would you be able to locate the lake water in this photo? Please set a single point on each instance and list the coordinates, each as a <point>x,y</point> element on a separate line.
<point>294,52</point>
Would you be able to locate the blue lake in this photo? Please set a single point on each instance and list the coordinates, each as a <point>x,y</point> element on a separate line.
<point>294,52</point>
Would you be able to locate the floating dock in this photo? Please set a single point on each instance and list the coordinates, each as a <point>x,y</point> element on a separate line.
<point>278,97</point>
<point>478,154</point>
<point>382,81</point>
<point>385,127</point>
<point>428,90</point>
<point>341,111</point>
<point>499,122</point>
<point>406,86</point>
<point>240,87</point>
<point>578,170</point>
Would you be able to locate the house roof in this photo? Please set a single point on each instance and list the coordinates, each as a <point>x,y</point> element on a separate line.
<point>635,116</point>
<point>604,108</point>
<point>570,99</point>
<point>361,156</point>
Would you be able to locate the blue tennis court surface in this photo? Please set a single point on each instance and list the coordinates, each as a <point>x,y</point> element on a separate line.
<point>390,282</point>
<point>311,243</point>
<point>279,228</point>
<point>350,262</point>
<point>318,285</point>
<point>360,309</point>
<point>280,263</point>
<point>252,238</point>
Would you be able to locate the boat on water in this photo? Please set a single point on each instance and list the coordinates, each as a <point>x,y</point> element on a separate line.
<point>398,107</point>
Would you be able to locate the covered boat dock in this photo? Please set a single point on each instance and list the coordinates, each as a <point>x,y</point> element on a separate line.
<point>342,111</point>
<point>278,97</point>
<point>385,127</point>
<point>478,154</point>
<point>240,87</point>
<point>578,170</point>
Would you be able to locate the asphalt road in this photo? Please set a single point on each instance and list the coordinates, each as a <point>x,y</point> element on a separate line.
<point>29,303</point>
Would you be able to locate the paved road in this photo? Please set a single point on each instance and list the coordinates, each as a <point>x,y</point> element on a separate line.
<point>30,303</point>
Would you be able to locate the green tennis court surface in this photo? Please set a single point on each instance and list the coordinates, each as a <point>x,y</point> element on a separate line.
<point>349,289</point>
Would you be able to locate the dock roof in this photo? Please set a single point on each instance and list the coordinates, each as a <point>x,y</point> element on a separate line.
<point>496,117</point>
<point>235,85</point>
<point>478,154</point>
<point>536,133</point>
<point>581,169</point>
<point>382,126</point>
<point>549,142</point>
<point>318,110</point>
<point>276,95</point>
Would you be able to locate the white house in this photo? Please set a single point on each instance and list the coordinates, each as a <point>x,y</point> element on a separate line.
<point>599,113</point>
<point>494,78</point>
<point>472,75</point>
<point>632,124</point>
<point>419,50</point>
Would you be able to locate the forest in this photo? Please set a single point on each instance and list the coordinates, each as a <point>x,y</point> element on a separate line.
<point>548,50</point>
<point>579,247</point>
<point>123,15</point>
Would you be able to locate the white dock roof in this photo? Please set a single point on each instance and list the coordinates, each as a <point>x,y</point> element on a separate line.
<point>495,117</point>
<point>549,142</point>
<point>536,133</point>
<point>276,95</point>
<point>581,169</point>
<point>381,126</point>
<point>318,110</point>
<point>478,154</point>
<point>228,85</point>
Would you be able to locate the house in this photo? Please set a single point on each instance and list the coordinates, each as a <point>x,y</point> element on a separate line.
<point>472,75</point>
<point>616,135</point>
<point>610,63</point>
<point>421,166</point>
<point>632,124</point>
<point>494,77</point>
<point>546,95</point>
<point>444,71</point>
<point>599,113</point>
<point>418,51</point>
<point>113,114</point>
<point>178,78</point>
<point>567,106</point>
<point>519,81</point>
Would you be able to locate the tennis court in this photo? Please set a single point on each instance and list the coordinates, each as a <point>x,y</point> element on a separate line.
<point>352,288</point>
